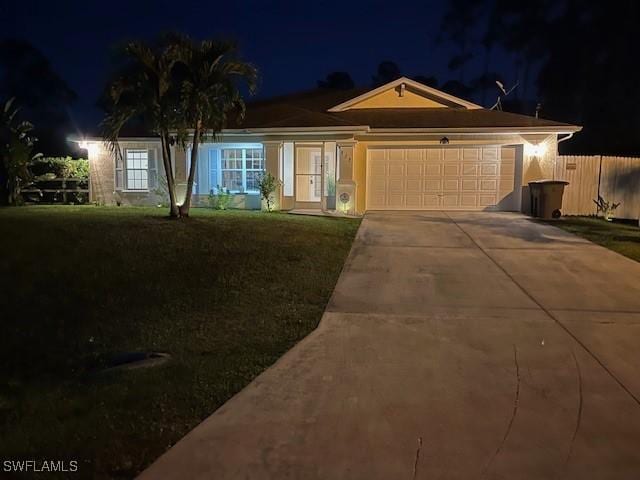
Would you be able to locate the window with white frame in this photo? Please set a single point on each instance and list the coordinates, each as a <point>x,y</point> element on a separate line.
<point>254,164</point>
<point>137,168</point>
<point>240,168</point>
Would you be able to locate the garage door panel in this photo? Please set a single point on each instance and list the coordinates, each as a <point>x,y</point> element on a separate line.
<point>377,200</point>
<point>452,169</point>
<point>414,169</point>
<point>377,168</point>
<point>471,154</point>
<point>431,201</point>
<point>395,185</point>
<point>413,201</point>
<point>450,184</point>
<point>414,154</point>
<point>378,184</point>
<point>449,200</point>
<point>486,200</point>
<point>414,185</point>
<point>432,185</point>
<point>469,185</point>
<point>395,154</point>
<point>468,200</point>
<point>489,154</point>
<point>376,155</point>
<point>434,170</point>
<point>434,155</point>
<point>488,185</point>
<point>470,169</point>
<point>451,154</point>
<point>396,168</point>
<point>507,168</point>
<point>396,200</point>
<point>488,169</point>
<point>469,178</point>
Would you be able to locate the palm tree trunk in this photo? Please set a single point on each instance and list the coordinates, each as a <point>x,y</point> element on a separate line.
<point>184,208</point>
<point>171,186</point>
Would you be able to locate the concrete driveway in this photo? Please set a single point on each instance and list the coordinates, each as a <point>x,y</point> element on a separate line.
<point>456,346</point>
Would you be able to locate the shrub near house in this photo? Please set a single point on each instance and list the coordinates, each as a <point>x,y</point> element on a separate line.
<point>58,180</point>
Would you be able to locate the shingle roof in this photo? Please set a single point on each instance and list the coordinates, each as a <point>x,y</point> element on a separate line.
<point>309,109</point>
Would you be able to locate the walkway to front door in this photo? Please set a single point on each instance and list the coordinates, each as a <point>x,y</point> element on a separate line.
<point>456,345</point>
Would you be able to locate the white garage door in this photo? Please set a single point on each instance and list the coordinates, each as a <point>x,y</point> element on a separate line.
<point>470,178</point>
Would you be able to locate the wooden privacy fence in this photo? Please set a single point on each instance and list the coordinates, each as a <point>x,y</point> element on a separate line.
<point>616,179</point>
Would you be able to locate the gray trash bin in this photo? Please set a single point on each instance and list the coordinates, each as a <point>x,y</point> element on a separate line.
<point>546,198</point>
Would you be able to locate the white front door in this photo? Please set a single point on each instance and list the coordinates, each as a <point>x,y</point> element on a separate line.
<point>469,178</point>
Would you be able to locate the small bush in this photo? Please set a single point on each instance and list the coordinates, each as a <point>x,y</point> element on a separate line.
<point>220,200</point>
<point>60,167</point>
<point>268,184</point>
<point>606,208</point>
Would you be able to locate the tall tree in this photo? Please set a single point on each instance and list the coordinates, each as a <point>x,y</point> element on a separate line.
<point>430,81</point>
<point>458,26</point>
<point>387,72</point>
<point>210,76</point>
<point>579,52</point>
<point>144,90</point>
<point>44,97</point>
<point>337,81</point>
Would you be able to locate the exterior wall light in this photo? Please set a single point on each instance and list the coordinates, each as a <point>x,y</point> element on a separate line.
<point>536,150</point>
<point>444,141</point>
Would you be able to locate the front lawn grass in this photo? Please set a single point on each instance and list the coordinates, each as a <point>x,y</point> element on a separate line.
<point>620,237</point>
<point>225,293</point>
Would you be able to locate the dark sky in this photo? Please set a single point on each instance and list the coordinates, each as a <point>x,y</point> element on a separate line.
<point>293,43</point>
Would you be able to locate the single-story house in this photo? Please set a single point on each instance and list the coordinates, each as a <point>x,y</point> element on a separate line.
<point>401,146</point>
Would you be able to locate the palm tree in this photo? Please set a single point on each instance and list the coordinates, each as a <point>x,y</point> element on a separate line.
<point>210,75</point>
<point>16,153</point>
<point>144,89</point>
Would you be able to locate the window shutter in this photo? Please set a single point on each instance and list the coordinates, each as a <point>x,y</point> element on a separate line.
<point>119,170</point>
<point>153,169</point>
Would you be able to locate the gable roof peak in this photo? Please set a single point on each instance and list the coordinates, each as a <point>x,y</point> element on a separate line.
<point>429,92</point>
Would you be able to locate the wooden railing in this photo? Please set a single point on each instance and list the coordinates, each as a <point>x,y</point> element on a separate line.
<point>57,190</point>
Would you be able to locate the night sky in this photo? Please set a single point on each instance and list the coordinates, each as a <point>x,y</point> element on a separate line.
<point>294,44</point>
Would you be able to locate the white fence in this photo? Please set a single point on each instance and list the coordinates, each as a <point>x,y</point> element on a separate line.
<point>616,179</point>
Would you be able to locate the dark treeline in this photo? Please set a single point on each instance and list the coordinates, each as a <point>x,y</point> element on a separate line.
<point>574,60</point>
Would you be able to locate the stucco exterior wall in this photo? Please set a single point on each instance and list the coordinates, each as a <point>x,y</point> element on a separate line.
<point>102,175</point>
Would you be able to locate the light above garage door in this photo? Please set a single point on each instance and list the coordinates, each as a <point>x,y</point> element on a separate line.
<point>470,178</point>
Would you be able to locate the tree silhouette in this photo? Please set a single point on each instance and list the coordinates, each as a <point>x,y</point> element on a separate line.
<point>27,76</point>
<point>430,81</point>
<point>337,81</point>
<point>573,57</point>
<point>387,72</point>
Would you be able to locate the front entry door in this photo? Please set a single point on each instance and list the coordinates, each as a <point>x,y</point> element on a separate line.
<point>308,177</point>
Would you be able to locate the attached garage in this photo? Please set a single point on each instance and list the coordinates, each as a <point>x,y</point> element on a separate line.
<point>469,178</point>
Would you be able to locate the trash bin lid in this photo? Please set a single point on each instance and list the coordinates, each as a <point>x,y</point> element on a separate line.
<point>549,182</point>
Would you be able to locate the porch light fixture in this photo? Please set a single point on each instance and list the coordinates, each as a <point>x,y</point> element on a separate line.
<point>444,141</point>
<point>535,150</point>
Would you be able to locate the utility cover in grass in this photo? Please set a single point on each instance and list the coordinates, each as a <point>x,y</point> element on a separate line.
<point>133,360</point>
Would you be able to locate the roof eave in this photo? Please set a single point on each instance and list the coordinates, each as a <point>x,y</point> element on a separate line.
<point>551,129</point>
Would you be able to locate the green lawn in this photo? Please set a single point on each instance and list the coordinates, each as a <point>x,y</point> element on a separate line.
<point>225,293</point>
<point>623,238</point>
